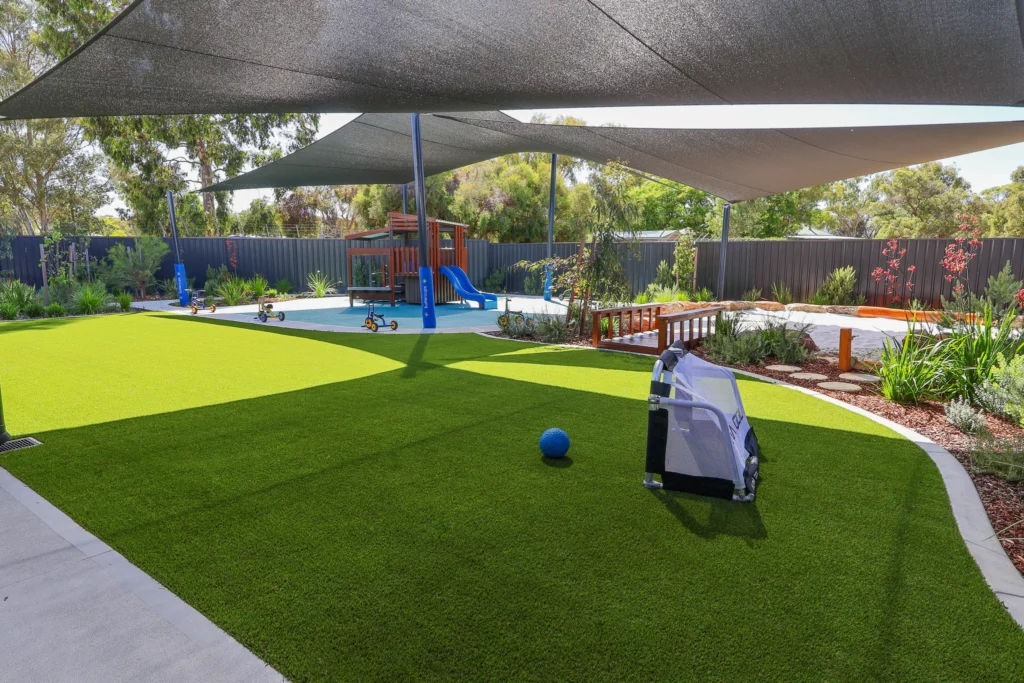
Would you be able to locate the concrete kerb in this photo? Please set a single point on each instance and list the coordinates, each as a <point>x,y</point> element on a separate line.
<point>972,521</point>
<point>200,630</point>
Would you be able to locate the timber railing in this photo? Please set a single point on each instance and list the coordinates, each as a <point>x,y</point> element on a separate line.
<point>622,322</point>
<point>691,326</point>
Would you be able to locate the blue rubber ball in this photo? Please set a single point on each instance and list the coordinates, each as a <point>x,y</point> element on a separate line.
<point>554,443</point>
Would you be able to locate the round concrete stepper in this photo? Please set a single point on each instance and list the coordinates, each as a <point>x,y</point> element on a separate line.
<point>860,377</point>
<point>809,376</point>
<point>782,368</point>
<point>840,386</point>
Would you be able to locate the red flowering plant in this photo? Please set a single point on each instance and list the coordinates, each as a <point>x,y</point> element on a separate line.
<point>956,262</point>
<point>897,278</point>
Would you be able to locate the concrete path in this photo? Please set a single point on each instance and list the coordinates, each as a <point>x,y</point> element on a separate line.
<point>72,609</point>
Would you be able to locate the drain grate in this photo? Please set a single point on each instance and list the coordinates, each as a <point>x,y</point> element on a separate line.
<point>18,444</point>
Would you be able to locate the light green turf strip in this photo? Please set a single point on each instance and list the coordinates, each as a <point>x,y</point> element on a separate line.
<point>80,371</point>
<point>402,525</point>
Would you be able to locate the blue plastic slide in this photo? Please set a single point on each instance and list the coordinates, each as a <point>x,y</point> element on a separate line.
<point>464,288</point>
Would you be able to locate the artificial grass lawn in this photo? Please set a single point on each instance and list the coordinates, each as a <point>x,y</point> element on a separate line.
<point>374,506</point>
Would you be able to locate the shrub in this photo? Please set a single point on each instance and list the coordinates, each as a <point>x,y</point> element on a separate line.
<point>533,283</point>
<point>963,416</point>
<point>56,310</point>
<point>61,288</point>
<point>743,348</point>
<point>552,329</point>
<point>911,369</point>
<point>615,326</point>
<point>1002,289</point>
<point>524,328</point>
<point>971,350</point>
<point>168,287</point>
<point>663,276</point>
<point>284,286</point>
<point>8,311</point>
<point>214,276</point>
<point>124,300</point>
<point>643,298</point>
<point>752,295</point>
<point>837,290</point>
<point>1002,457</point>
<point>783,343</point>
<point>1003,392</point>
<point>34,309</point>
<point>16,293</point>
<point>661,295</point>
<point>259,286</point>
<point>704,295</point>
<point>320,285</point>
<point>136,267</point>
<point>782,294</point>
<point>90,298</point>
<point>233,291</point>
<point>495,282</point>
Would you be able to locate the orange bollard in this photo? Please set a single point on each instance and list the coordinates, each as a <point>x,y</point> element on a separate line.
<point>845,342</point>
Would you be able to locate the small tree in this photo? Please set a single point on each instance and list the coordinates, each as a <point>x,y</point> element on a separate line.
<point>135,267</point>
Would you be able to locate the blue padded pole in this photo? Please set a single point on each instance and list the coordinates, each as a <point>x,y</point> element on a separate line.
<point>179,268</point>
<point>426,274</point>
<point>551,227</point>
<point>405,198</point>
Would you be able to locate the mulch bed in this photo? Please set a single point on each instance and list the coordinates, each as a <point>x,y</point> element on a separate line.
<point>1003,501</point>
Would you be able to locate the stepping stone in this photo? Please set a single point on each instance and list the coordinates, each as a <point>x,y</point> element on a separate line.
<point>782,368</point>
<point>840,386</point>
<point>860,377</point>
<point>809,376</point>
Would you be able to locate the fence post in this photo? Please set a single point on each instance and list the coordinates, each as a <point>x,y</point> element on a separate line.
<point>46,282</point>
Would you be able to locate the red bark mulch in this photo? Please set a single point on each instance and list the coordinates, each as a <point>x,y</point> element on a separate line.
<point>1003,501</point>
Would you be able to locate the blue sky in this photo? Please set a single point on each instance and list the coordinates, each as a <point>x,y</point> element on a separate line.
<point>982,169</point>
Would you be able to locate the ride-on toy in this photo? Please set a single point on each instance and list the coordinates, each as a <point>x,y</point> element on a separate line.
<point>197,301</point>
<point>266,310</point>
<point>372,318</point>
<point>508,315</point>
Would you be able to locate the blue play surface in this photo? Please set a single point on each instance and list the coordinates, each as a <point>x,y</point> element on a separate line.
<point>407,315</point>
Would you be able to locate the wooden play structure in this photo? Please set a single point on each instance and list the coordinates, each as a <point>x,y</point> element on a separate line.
<point>393,270</point>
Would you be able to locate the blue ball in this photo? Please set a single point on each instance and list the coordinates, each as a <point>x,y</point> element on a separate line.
<point>554,443</point>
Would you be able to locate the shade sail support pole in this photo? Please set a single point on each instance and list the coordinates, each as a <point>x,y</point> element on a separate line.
<point>722,252</point>
<point>426,274</point>
<point>551,227</point>
<point>405,198</point>
<point>180,280</point>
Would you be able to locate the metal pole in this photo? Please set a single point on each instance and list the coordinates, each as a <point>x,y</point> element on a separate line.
<point>722,252</point>
<point>179,268</point>
<point>426,274</point>
<point>405,198</point>
<point>4,435</point>
<point>551,226</point>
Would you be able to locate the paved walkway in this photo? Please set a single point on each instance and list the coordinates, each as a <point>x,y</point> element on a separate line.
<point>72,609</point>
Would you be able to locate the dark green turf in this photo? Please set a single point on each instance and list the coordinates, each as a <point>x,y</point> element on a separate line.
<point>403,525</point>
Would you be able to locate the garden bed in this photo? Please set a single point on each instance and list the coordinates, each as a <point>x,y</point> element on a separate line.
<point>1003,501</point>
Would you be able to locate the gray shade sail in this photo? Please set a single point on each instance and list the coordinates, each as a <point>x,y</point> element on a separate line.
<point>237,56</point>
<point>733,164</point>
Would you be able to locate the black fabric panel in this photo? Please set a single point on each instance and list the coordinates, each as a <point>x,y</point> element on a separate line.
<point>657,440</point>
<point>242,56</point>
<point>734,164</point>
<point>704,486</point>
<point>661,389</point>
<point>751,445</point>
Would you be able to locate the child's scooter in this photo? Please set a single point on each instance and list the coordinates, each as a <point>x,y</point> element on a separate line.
<point>197,301</point>
<point>372,318</point>
<point>266,311</point>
